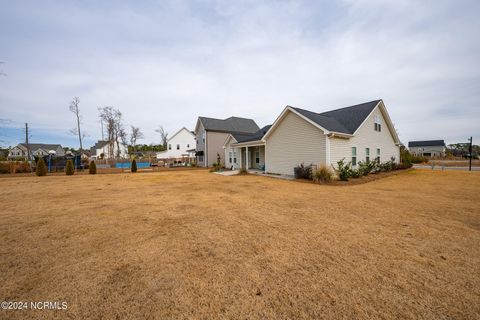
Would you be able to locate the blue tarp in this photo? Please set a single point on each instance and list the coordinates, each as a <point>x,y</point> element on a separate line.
<point>127,165</point>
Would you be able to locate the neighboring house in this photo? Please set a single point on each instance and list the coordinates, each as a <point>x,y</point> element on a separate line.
<point>180,146</point>
<point>101,150</point>
<point>36,150</point>
<point>363,132</point>
<point>211,135</point>
<point>428,148</point>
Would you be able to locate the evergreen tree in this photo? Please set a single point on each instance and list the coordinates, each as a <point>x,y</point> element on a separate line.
<point>69,169</point>
<point>134,166</point>
<point>41,168</point>
<point>92,168</point>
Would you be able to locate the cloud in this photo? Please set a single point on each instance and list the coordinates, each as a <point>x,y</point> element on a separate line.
<point>167,63</point>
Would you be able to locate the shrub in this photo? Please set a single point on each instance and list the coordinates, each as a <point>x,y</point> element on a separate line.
<point>355,173</point>
<point>4,167</point>
<point>344,170</point>
<point>41,168</point>
<point>365,168</point>
<point>134,166</point>
<point>69,169</point>
<point>303,172</point>
<point>23,167</point>
<point>323,174</point>
<point>92,168</point>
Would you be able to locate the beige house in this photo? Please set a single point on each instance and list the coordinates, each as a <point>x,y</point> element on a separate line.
<point>36,150</point>
<point>211,134</point>
<point>357,133</point>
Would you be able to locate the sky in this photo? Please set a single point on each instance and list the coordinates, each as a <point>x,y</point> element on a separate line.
<point>168,62</point>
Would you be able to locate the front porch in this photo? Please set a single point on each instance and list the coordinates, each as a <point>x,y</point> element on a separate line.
<point>249,157</point>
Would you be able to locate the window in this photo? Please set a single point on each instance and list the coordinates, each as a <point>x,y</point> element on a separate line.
<point>200,159</point>
<point>257,157</point>
<point>234,157</point>
<point>378,154</point>
<point>367,155</point>
<point>378,125</point>
<point>354,156</point>
<point>178,147</point>
<point>169,147</point>
<point>203,137</point>
<point>230,157</point>
<point>188,145</point>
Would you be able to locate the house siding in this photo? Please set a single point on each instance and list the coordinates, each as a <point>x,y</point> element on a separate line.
<point>435,151</point>
<point>294,141</point>
<point>200,145</point>
<point>215,141</point>
<point>366,137</point>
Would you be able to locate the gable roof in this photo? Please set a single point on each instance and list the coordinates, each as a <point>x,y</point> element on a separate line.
<point>427,143</point>
<point>44,146</point>
<point>230,125</point>
<point>343,120</point>
<point>184,128</point>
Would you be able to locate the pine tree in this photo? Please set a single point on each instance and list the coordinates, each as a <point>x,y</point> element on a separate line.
<point>69,169</point>
<point>41,168</point>
<point>92,168</point>
<point>134,166</point>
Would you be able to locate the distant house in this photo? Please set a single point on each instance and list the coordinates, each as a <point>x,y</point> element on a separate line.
<point>362,132</point>
<point>427,148</point>
<point>36,150</point>
<point>101,150</point>
<point>181,146</point>
<point>212,133</point>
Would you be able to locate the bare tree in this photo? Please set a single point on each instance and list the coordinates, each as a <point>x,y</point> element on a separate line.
<point>163,135</point>
<point>74,108</point>
<point>114,128</point>
<point>134,136</point>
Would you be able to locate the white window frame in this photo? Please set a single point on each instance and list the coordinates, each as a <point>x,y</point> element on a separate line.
<point>354,156</point>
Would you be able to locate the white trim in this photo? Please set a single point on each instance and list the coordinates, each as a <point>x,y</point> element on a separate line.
<point>327,149</point>
<point>205,153</point>
<point>255,143</point>
<point>229,136</point>
<point>179,132</point>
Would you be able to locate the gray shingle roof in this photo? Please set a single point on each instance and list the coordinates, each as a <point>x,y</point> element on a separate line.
<point>344,120</point>
<point>427,143</point>
<point>44,146</point>
<point>251,137</point>
<point>231,125</point>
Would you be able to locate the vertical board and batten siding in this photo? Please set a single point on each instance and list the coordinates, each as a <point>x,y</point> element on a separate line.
<point>292,142</point>
<point>215,141</point>
<point>366,137</point>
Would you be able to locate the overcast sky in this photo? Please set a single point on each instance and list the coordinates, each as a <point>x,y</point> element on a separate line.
<point>168,62</point>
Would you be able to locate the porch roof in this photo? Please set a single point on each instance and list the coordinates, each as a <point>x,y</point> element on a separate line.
<point>254,143</point>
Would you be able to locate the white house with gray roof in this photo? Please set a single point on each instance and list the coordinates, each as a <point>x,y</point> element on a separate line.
<point>36,150</point>
<point>211,134</point>
<point>362,132</point>
<point>427,148</point>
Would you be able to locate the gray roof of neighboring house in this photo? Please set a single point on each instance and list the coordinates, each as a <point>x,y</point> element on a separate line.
<point>44,146</point>
<point>344,120</point>
<point>231,125</point>
<point>251,137</point>
<point>427,143</point>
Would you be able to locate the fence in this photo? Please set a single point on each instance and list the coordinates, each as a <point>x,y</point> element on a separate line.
<point>128,165</point>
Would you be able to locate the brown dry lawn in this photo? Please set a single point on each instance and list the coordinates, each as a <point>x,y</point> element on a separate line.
<point>195,245</point>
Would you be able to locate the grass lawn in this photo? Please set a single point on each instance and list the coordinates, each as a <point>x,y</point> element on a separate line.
<point>192,244</point>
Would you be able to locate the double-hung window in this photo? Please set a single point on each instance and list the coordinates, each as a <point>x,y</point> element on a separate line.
<point>169,147</point>
<point>230,157</point>
<point>367,155</point>
<point>178,147</point>
<point>354,156</point>
<point>378,124</point>
<point>234,156</point>
<point>378,154</point>
<point>257,157</point>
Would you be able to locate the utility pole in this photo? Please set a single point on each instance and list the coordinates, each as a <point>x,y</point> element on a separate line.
<point>470,154</point>
<point>26,141</point>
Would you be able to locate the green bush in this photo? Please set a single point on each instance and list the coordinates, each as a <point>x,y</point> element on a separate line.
<point>69,169</point>
<point>344,170</point>
<point>355,173</point>
<point>322,174</point>
<point>41,168</point>
<point>365,168</point>
<point>92,168</point>
<point>303,172</point>
<point>134,166</point>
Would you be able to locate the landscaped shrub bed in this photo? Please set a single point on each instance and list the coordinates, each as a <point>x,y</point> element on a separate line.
<point>14,167</point>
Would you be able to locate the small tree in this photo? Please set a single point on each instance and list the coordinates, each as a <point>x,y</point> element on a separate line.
<point>134,166</point>
<point>69,169</point>
<point>41,168</point>
<point>92,168</point>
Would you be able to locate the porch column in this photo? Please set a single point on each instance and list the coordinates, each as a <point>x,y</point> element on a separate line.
<point>246,158</point>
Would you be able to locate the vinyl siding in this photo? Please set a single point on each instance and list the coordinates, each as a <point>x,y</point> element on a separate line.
<point>366,137</point>
<point>292,142</point>
<point>200,146</point>
<point>215,141</point>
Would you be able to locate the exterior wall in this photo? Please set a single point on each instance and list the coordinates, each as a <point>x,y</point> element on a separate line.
<point>215,141</point>
<point>105,150</point>
<point>200,144</point>
<point>251,162</point>
<point>366,137</point>
<point>185,139</point>
<point>294,141</point>
<point>435,151</point>
<point>236,154</point>
<point>16,152</point>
